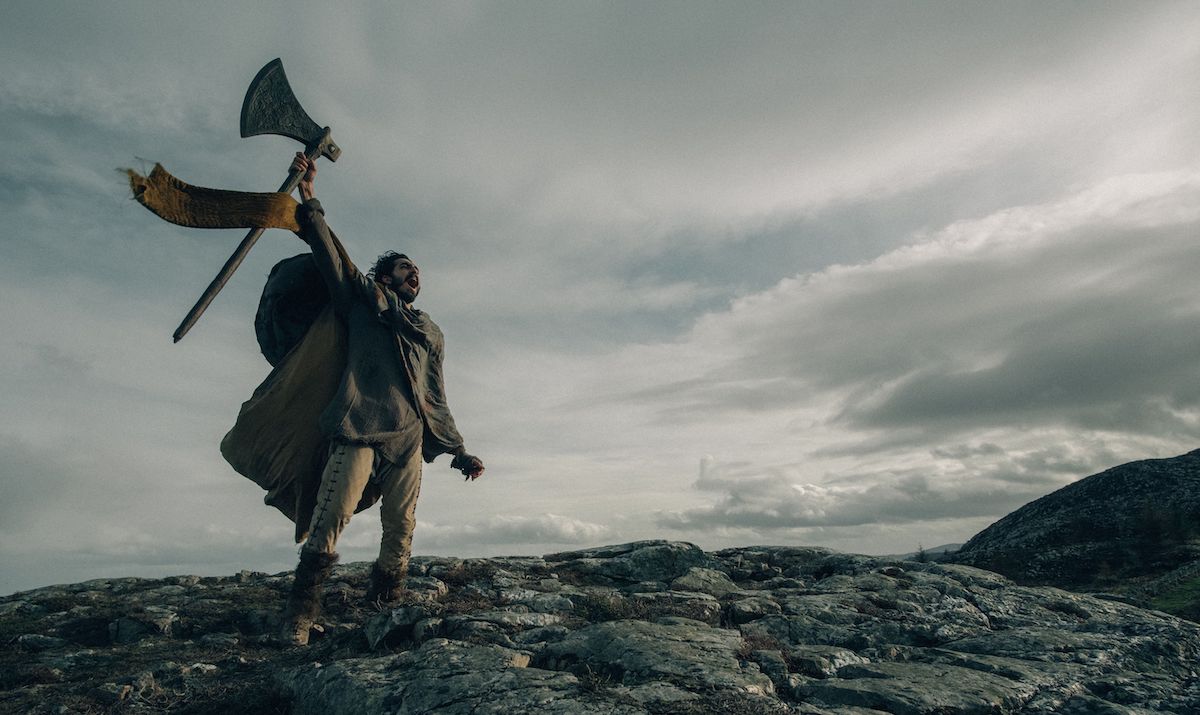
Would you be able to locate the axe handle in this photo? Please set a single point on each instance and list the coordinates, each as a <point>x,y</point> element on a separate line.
<point>289,185</point>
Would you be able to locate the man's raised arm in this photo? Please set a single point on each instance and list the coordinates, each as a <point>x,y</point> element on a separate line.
<point>344,280</point>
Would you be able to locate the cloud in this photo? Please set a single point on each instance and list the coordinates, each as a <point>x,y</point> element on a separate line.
<point>514,530</point>
<point>1057,312</point>
<point>97,97</point>
<point>936,383</point>
<point>963,483</point>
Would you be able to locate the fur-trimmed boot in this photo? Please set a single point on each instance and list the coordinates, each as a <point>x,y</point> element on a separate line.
<point>304,602</point>
<point>386,586</point>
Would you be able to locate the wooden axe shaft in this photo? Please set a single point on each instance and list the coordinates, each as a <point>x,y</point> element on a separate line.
<point>235,260</point>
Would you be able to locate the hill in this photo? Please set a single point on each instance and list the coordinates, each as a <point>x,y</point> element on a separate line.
<point>1131,529</point>
<point>651,627</point>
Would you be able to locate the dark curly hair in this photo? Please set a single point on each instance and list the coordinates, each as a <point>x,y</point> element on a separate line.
<point>384,264</point>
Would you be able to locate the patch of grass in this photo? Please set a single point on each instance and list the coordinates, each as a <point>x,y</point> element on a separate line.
<point>1183,600</point>
<point>456,602</point>
<point>247,697</point>
<point>684,608</point>
<point>728,702</point>
<point>757,641</point>
<point>58,602</point>
<point>608,607</point>
<point>594,681</point>
<point>468,571</point>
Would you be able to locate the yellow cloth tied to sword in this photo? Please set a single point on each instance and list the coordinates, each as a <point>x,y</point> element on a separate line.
<point>200,207</point>
<point>275,441</point>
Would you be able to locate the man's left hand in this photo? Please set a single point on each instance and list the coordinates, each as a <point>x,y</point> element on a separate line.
<point>470,465</point>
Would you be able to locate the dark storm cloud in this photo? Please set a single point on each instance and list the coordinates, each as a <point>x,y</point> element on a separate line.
<point>1063,321</point>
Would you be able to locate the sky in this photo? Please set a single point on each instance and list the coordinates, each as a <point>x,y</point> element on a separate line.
<point>860,275</point>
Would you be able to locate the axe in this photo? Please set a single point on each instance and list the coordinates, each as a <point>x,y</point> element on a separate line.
<point>270,107</point>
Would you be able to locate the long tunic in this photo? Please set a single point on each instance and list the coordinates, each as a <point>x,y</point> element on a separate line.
<point>393,374</point>
<point>368,371</point>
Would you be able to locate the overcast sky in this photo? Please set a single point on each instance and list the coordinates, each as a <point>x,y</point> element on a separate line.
<point>860,275</point>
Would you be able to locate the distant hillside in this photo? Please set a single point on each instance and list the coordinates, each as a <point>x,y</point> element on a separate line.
<point>933,553</point>
<point>1126,530</point>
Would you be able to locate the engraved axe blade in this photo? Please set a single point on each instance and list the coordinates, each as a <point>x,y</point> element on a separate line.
<point>270,107</point>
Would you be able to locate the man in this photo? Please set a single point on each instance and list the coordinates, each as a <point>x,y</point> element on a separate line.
<point>388,413</point>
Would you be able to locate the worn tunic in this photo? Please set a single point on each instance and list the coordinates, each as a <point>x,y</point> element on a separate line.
<point>393,373</point>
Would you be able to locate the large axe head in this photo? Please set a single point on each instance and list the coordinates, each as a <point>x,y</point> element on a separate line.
<point>270,107</point>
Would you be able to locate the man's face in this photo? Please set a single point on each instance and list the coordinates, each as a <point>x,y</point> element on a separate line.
<point>405,279</point>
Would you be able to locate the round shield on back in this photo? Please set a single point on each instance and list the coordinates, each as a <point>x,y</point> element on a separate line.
<point>291,300</point>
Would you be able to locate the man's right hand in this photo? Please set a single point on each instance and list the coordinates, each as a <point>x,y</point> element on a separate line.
<point>308,167</point>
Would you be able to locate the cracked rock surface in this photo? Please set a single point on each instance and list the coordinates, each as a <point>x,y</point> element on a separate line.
<point>650,627</point>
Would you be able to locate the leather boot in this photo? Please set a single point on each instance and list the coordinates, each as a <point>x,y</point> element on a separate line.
<point>304,602</point>
<point>386,586</point>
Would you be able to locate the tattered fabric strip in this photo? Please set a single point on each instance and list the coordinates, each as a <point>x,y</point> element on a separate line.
<point>199,207</point>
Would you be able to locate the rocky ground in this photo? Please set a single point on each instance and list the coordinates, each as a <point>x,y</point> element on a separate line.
<point>648,627</point>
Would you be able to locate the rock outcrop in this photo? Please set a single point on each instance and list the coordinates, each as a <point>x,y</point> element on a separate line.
<point>1130,529</point>
<point>648,627</point>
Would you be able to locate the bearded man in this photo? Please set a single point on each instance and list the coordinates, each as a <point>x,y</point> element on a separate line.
<point>388,412</point>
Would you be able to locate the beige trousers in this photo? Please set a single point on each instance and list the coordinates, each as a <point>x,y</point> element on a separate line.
<point>346,474</point>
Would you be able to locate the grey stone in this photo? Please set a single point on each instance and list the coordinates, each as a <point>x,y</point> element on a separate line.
<point>752,608</point>
<point>918,688</point>
<point>551,603</point>
<point>472,631</point>
<point>37,641</point>
<point>638,561</point>
<point>689,604</point>
<point>515,595</point>
<point>21,608</point>
<point>426,587</point>
<point>223,640</point>
<point>446,678</point>
<point>392,626</point>
<point>509,620</point>
<point>822,661</point>
<point>163,594</point>
<point>773,665</point>
<point>778,583</point>
<point>710,581</point>
<point>657,694</point>
<point>548,634</point>
<point>112,693</point>
<point>635,652</point>
<point>646,587</point>
<point>127,630</point>
<point>426,628</point>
